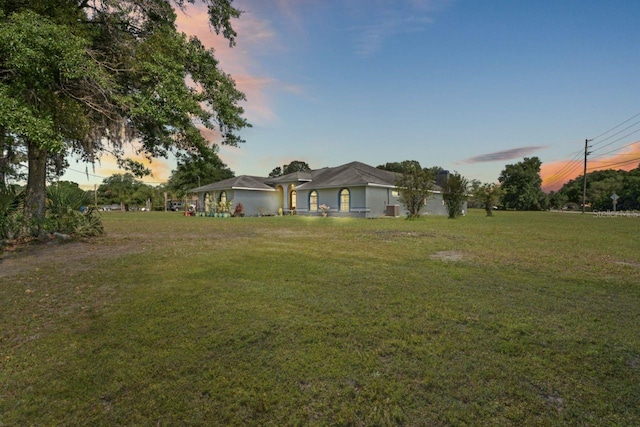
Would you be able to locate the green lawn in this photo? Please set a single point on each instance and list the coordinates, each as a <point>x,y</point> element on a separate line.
<point>521,319</point>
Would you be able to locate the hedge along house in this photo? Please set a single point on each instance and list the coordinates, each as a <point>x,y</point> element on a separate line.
<point>351,190</point>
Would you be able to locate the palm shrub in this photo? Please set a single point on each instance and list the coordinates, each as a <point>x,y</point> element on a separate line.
<point>65,212</point>
<point>11,200</point>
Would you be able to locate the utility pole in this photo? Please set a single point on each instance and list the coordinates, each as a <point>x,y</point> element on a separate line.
<point>584,175</point>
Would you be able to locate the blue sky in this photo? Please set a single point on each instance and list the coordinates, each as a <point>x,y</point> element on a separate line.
<point>464,84</point>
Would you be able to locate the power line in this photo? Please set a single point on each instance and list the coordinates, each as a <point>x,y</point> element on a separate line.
<point>86,173</point>
<point>104,177</point>
<point>619,139</point>
<point>615,127</point>
<point>616,149</point>
<point>568,172</point>
<point>570,165</point>
<point>565,175</point>
<point>622,163</point>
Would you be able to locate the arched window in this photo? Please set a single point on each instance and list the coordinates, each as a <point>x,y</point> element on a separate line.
<point>223,196</point>
<point>293,196</point>
<point>344,200</point>
<point>313,201</point>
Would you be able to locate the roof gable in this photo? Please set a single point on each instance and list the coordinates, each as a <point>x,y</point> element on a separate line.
<point>351,174</point>
<point>242,182</point>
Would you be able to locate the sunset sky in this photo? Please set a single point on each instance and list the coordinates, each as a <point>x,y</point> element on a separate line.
<point>464,84</point>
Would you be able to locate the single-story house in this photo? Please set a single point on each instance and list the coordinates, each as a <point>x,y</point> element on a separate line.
<point>351,190</point>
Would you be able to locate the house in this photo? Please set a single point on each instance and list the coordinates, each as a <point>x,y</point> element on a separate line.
<point>351,190</point>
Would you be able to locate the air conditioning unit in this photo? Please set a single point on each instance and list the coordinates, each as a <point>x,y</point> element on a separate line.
<point>393,210</point>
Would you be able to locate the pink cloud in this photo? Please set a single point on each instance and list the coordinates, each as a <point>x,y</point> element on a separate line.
<point>253,34</point>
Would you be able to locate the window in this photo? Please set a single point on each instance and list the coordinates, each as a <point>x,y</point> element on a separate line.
<point>293,199</point>
<point>223,197</point>
<point>313,201</point>
<point>344,200</point>
<point>395,193</point>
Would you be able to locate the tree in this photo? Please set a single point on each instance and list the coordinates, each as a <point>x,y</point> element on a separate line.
<point>557,200</point>
<point>12,157</point>
<point>294,166</point>
<point>119,188</point>
<point>86,76</point>
<point>602,184</point>
<point>488,194</point>
<point>414,186</point>
<point>391,167</point>
<point>521,183</point>
<point>630,193</point>
<point>276,172</point>
<point>400,167</point>
<point>454,194</point>
<point>474,201</point>
<point>195,170</point>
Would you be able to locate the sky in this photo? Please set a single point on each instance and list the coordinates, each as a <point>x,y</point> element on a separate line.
<point>467,85</point>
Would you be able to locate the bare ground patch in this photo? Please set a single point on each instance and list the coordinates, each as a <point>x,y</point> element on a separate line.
<point>449,256</point>
<point>66,256</point>
<point>630,264</point>
<point>82,255</point>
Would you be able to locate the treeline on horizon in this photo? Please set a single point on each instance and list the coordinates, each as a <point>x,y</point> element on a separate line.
<point>601,185</point>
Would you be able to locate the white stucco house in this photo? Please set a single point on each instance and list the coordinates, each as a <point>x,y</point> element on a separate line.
<point>351,190</point>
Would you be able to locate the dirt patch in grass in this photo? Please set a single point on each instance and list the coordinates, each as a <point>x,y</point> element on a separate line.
<point>449,256</point>
<point>393,235</point>
<point>67,256</point>
<point>630,264</point>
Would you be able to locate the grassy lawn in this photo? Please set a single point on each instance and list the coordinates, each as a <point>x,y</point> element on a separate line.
<point>521,319</point>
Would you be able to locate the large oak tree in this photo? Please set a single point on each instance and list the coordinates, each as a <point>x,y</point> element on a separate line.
<point>86,76</point>
<point>521,185</point>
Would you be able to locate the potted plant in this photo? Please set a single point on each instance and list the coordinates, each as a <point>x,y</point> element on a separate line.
<point>239,211</point>
<point>224,208</point>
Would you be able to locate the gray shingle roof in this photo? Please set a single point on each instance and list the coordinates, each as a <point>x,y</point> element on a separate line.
<point>354,174</point>
<point>351,174</point>
<point>245,182</point>
<point>292,177</point>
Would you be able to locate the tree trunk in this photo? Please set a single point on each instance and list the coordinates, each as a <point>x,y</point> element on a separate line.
<point>3,160</point>
<point>36,194</point>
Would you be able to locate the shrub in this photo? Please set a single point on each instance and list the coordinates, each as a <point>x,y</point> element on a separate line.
<point>454,194</point>
<point>69,212</point>
<point>11,217</point>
